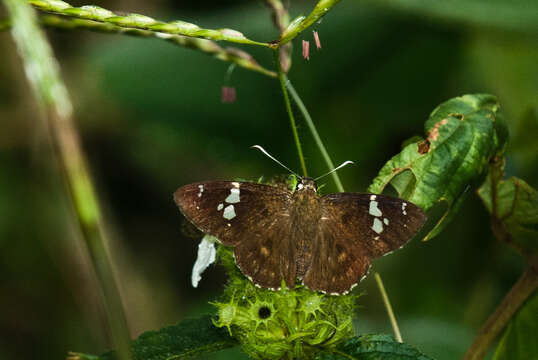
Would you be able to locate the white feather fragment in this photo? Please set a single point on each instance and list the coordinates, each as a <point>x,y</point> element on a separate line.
<point>206,256</point>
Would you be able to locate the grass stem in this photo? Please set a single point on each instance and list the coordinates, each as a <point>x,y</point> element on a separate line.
<point>283,86</point>
<point>42,71</point>
<point>386,301</point>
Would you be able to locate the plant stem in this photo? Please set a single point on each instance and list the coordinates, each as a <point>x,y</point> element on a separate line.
<point>282,79</point>
<point>386,301</point>
<point>42,72</point>
<point>340,188</point>
<point>522,289</point>
<point>315,134</point>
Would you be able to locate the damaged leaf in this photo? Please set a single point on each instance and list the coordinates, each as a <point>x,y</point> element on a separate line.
<point>463,134</point>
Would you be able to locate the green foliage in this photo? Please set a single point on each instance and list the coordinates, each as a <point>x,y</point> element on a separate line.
<point>372,347</point>
<point>464,133</point>
<point>186,339</point>
<point>514,206</point>
<point>519,339</point>
<point>288,323</point>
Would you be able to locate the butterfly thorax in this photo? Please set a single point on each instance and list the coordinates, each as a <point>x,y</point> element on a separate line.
<point>305,216</point>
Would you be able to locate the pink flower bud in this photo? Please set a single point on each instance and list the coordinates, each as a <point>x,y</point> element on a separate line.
<point>228,94</point>
<point>306,50</point>
<point>316,39</point>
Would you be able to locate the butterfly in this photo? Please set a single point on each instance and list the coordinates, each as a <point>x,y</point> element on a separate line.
<point>278,233</point>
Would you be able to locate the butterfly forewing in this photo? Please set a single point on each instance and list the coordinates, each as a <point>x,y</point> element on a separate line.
<point>254,218</point>
<point>353,229</point>
<point>277,234</point>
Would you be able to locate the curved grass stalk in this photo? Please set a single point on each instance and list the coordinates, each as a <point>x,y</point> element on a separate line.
<point>233,55</point>
<point>43,74</point>
<point>142,22</point>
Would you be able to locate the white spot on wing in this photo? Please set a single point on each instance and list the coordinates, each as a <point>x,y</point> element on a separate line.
<point>233,197</point>
<point>220,207</point>
<point>300,187</point>
<point>373,197</point>
<point>229,212</point>
<point>236,184</point>
<point>201,187</point>
<point>374,210</point>
<point>404,204</point>
<point>386,221</point>
<point>377,226</point>
<point>206,256</point>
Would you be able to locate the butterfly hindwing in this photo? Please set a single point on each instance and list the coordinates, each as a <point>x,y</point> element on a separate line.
<point>252,217</point>
<point>355,228</point>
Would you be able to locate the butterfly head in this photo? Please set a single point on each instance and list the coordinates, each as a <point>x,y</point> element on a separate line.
<point>306,184</point>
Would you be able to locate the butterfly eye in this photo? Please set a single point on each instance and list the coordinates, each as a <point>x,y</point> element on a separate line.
<point>264,312</point>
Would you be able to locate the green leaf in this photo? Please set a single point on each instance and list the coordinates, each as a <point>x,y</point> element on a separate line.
<point>464,133</point>
<point>517,211</point>
<point>372,347</point>
<point>186,339</point>
<point>519,339</point>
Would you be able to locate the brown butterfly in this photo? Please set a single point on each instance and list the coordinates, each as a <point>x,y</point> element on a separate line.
<point>278,234</point>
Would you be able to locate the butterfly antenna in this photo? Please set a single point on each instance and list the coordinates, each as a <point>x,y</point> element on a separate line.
<point>275,160</point>
<point>333,170</point>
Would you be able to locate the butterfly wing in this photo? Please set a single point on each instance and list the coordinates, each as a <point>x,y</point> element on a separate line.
<point>253,218</point>
<point>353,229</point>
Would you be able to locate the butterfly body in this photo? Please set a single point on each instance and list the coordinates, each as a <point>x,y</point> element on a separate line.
<point>328,242</point>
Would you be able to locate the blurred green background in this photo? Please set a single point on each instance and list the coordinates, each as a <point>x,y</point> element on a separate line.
<point>150,117</point>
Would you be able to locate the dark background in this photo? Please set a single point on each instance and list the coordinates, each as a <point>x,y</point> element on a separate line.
<point>151,119</point>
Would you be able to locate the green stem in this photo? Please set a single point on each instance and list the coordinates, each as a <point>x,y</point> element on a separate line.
<point>340,188</point>
<point>315,135</point>
<point>282,79</point>
<point>49,89</point>
<point>386,301</point>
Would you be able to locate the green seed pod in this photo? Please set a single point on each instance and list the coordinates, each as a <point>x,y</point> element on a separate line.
<point>288,323</point>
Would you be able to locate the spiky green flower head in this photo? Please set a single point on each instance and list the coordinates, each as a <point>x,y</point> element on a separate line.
<point>291,323</point>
